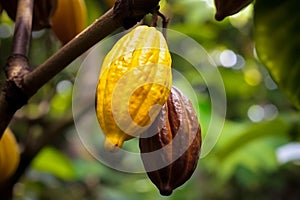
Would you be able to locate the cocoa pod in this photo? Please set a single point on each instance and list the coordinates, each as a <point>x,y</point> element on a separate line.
<point>69,19</point>
<point>171,155</point>
<point>136,70</point>
<point>9,155</point>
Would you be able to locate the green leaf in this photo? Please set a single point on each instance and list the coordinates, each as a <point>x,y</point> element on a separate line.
<point>234,141</point>
<point>250,145</point>
<point>53,161</point>
<point>61,102</point>
<point>278,43</point>
<point>255,156</point>
<point>90,168</point>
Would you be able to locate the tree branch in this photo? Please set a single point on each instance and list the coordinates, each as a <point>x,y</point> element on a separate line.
<point>22,33</point>
<point>124,13</point>
<point>90,36</point>
<point>22,84</point>
<point>32,149</point>
<point>12,97</point>
<point>50,133</point>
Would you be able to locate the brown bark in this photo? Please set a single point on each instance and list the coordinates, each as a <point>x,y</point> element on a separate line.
<point>22,83</point>
<point>124,13</point>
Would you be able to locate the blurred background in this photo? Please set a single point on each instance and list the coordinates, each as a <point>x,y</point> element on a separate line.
<point>256,157</point>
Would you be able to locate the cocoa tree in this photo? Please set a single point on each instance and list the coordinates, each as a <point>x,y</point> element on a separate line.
<point>23,81</point>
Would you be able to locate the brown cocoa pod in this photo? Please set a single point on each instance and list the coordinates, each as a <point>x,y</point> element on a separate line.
<point>42,12</point>
<point>171,155</point>
<point>229,7</point>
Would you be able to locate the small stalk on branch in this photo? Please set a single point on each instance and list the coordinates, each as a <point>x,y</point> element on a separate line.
<point>165,21</point>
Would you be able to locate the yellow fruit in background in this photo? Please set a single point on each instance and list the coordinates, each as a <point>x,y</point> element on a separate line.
<point>110,3</point>
<point>69,19</point>
<point>134,83</point>
<point>9,155</point>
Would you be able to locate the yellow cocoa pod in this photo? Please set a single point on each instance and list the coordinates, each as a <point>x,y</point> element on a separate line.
<point>69,19</point>
<point>9,155</point>
<point>134,83</point>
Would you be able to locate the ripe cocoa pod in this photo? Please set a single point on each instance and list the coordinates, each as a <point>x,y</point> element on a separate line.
<point>229,7</point>
<point>9,155</point>
<point>42,12</point>
<point>135,76</point>
<point>69,19</point>
<point>171,155</point>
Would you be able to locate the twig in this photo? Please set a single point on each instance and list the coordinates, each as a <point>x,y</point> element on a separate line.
<point>13,97</point>
<point>124,13</point>
<point>34,80</point>
<point>90,36</point>
<point>22,86</point>
<point>165,22</point>
<point>22,33</point>
<point>154,19</point>
<point>33,147</point>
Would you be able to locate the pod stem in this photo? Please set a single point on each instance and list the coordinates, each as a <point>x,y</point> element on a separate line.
<point>165,20</point>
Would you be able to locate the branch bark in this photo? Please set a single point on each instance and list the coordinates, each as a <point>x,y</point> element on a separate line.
<point>32,149</point>
<point>22,33</point>
<point>90,36</point>
<point>22,83</point>
<point>125,13</point>
<point>50,133</point>
<point>13,97</point>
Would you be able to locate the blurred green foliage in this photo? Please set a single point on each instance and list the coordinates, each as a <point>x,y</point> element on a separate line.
<point>244,164</point>
<point>283,65</point>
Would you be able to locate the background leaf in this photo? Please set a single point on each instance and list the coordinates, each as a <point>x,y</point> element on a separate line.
<point>278,43</point>
<point>243,165</point>
<point>55,162</point>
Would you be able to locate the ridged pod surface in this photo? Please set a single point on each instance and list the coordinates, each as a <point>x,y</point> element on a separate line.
<point>134,78</point>
<point>69,19</point>
<point>9,155</point>
<point>171,155</point>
